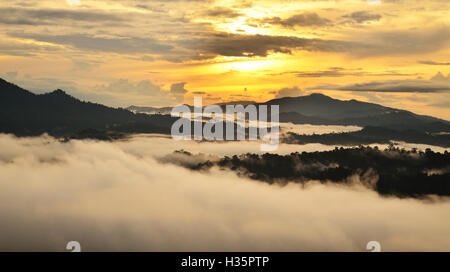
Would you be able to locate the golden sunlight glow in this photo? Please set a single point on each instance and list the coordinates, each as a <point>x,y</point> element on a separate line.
<point>242,24</point>
<point>247,65</point>
<point>347,42</point>
<point>239,27</point>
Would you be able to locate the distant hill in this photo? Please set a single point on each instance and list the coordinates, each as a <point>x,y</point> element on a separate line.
<point>324,110</point>
<point>24,113</point>
<point>319,109</point>
<point>167,110</point>
<point>323,106</point>
<point>298,118</point>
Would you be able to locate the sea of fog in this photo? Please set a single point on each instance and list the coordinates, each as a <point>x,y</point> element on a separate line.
<point>307,129</point>
<point>163,144</point>
<point>119,196</point>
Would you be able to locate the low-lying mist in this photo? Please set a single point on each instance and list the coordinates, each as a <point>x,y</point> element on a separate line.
<point>116,196</point>
<point>307,129</point>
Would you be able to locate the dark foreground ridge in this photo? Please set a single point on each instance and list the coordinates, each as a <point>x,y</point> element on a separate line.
<point>390,172</point>
<point>27,114</point>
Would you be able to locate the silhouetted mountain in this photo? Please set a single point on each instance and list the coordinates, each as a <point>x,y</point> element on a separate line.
<point>321,109</point>
<point>298,118</point>
<point>322,106</point>
<point>57,113</point>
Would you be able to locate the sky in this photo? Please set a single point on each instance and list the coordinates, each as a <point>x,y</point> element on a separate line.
<point>165,52</point>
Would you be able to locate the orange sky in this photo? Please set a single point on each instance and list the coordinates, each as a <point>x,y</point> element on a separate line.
<point>125,52</point>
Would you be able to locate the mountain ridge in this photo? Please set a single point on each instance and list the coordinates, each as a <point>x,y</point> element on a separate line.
<point>24,113</point>
<point>57,113</point>
<point>320,109</point>
<point>353,112</point>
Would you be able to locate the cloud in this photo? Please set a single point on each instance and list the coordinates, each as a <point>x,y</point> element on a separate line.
<point>15,48</point>
<point>79,65</point>
<point>367,44</point>
<point>442,104</point>
<point>44,16</point>
<point>119,92</point>
<point>363,16</point>
<point>438,83</point>
<point>128,45</point>
<point>434,62</point>
<point>400,42</point>
<point>73,2</point>
<point>190,40</point>
<point>178,91</point>
<point>11,75</point>
<point>118,197</point>
<point>374,2</point>
<point>341,72</point>
<point>40,84</point>
<point>331,72</point>
<point>184,31</point>
<point>222,12</point>
<point>439,77</point>
<point>289,92</point>
<point>227,44</point>
<point>145,87</point>
<point>308,19</point>
<point>144,92</point>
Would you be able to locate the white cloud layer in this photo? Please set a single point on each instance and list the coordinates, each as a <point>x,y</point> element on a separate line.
<point>116,196</point>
